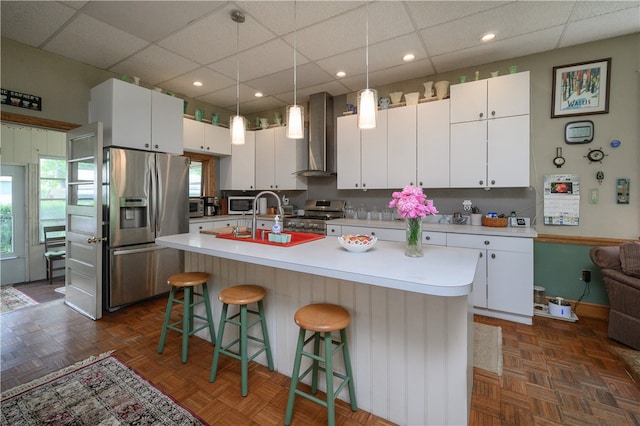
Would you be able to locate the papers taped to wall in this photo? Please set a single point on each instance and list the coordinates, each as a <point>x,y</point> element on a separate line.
<point>562,199</point>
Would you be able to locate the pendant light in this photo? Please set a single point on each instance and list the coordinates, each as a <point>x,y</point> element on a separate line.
<point>237,122</point>
<point>367,98</point>
<point>295,112</point>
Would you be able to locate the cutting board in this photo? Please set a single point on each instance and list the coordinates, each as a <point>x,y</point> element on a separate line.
<point>222,230</point>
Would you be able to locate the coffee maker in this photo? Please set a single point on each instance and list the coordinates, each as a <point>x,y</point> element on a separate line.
<point>211,206</point>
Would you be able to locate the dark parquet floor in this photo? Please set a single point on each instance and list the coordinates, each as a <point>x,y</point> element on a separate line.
<point>555,372</point>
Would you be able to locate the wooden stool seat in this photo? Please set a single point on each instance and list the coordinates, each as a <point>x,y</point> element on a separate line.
<point>242,294</point>
<point>322,317</point>
<point>186,281</point>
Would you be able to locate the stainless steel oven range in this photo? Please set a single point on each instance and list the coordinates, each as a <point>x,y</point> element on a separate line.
<point>316,214</point>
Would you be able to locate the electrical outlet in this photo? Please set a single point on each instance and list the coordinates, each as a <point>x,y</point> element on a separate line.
<point>594,196</point>
<point>586,275</point>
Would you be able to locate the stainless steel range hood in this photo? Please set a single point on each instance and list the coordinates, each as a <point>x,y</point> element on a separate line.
<point>321,145</point>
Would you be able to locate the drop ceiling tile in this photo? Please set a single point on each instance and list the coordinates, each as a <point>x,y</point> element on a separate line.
<point>590,9</point>
<point>262,104</point>
<point>226,98</point>
<point>154,65</point>
<point>507,21</point>
<point>215,37</point>
<point>514,47</point>
<point>278,16</point>
<point>211,80</point>
<point>334,88</point>
<point>430,13</point>
<point>408,71</point>
<point>75,4</point>
<point>158,22</point>
<point>268,58</point>
<point>610,25</point>
<point>90,41</point>
<point>33,22</point>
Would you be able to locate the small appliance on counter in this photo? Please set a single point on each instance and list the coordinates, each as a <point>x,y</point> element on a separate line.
<point>210,205</point>
<point>196,207</point>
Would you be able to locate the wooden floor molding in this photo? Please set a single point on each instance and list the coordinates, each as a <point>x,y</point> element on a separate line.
<point>555,372</point>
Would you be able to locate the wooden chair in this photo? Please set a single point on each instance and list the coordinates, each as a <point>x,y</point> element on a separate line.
<point>54,248</point>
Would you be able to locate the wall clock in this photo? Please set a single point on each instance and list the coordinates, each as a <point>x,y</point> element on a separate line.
<point>559,159</point>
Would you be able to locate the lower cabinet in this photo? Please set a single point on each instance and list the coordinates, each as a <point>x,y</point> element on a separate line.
<point>504,277</point>
<point>382,234</point>
<point>211,224</point>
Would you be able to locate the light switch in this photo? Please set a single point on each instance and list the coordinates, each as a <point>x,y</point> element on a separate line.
<point>594,196</point>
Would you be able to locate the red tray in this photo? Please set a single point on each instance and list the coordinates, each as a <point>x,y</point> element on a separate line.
<point>296,238</point>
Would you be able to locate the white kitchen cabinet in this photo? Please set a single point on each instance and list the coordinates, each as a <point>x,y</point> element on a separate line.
<point>401,146</point>
<point>277,160</point>
<point>504,278</point>
<point>434,238</point>
<point>135,117</point>
<point>432,144</point>
<point>237,171</point>
<point>206,138</point>
<point>201,225</point>
<point>492,98</point>
<point>333,230</point>
<point>362,155</point>
<point>265,223</point>
<point>490,133</point>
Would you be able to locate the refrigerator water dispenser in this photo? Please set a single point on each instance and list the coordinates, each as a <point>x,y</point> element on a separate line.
<point>133,212</point>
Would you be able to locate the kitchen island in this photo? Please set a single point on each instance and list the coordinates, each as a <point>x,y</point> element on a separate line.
<point>411,336</point>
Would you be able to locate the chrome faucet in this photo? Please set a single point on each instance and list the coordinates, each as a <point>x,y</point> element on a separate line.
<point>255,209</point>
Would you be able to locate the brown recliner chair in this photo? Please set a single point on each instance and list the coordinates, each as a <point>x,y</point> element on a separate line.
<point>620,267</point>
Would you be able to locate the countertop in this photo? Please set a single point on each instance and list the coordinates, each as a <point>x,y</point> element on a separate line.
<point>443,271</point>
<point>440,227</point>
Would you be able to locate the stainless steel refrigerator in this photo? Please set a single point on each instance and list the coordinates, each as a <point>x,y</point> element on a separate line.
<point>145,196</point>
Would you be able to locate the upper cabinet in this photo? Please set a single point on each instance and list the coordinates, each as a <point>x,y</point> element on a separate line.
<point>278,159</point>
<point>237,171</point>
<point>206,138</point>
<point>496,97</point>
<point>490,133</point>
<point>432,144</point>
<point>362,155</point>
<point>135,117</point>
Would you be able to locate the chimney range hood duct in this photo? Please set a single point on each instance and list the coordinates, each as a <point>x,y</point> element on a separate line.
<point>321,145</point>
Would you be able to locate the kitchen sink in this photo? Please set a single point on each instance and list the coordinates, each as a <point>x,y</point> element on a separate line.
<point>296,238</point>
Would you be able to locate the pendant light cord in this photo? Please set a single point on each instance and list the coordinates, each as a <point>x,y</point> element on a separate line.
<point>295,72</point>
<point>367,44</point>
<point>237,67</point>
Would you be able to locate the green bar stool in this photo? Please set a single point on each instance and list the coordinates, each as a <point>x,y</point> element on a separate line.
<point>322,319</point>
<point>187,281</point>
<point>242,295</point>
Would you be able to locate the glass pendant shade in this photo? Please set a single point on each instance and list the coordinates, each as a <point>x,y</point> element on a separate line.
<point>237,127</point>
<point>295,120</point>
<point>367,109</point>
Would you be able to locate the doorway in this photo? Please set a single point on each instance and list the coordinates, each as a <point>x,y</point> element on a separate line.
<point>12,225</point>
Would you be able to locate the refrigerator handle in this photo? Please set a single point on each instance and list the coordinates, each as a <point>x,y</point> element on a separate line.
<point>153,193</point>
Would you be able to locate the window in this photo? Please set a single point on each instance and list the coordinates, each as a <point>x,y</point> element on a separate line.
<point>53,192</point>
<point>195,178</point>
<point>6,215</point>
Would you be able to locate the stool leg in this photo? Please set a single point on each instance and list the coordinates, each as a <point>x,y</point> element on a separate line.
<point>294,377</point>
<point>265,336</point>
<point>328,361</point>
<point>316,363</point>
<point>187,321</point>
<point>207,306</point>
<point>167,317</point>
<point>244,362</point>
<point>216,352</point>
<point>347,366</point>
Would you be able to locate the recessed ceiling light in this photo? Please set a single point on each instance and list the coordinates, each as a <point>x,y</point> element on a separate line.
<point>408,57</point>
<point>258,95</point>
<point>488,37</point>
<point>197,83</point>
<point>341,74</point>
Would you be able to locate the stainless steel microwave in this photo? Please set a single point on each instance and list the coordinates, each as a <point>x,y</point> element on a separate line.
<point>196,207</point>
<point>240,204</point>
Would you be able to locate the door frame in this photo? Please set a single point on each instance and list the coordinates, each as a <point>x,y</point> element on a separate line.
<point>14,267</point>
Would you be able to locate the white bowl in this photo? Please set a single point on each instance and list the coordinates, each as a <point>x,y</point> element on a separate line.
<point>357,243</point>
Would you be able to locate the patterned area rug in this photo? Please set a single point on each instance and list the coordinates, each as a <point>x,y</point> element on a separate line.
<point>12,299</point>
<point>631,358</point>
<point>98,391</point>
<point>487,347</point>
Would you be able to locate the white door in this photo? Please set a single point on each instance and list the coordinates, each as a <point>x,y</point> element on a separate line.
<point>12,225</point>
<point>84,220</point>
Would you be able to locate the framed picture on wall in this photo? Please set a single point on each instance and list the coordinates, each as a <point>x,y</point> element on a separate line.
<point>581,89</point>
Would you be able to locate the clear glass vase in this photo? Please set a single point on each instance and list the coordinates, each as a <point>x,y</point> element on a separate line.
<point>414,238</point>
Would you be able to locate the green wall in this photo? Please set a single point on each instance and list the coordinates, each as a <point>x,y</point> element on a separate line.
<point>558,268</point>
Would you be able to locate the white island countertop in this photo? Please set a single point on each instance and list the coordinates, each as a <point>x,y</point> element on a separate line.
<point>443,271</point>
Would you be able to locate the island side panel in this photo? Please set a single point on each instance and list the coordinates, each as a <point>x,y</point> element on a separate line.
<point>410,352</point>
